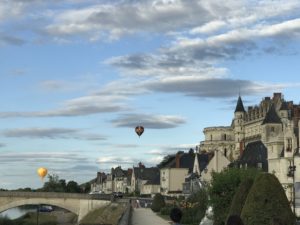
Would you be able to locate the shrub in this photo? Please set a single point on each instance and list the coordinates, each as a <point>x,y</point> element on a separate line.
<point>158,203</point>
<point>240,197</point>
<point>189,216</point>
<point>166,210</point>
<point>266,200</point>
<point>223,188</point>
<point>199,204</point>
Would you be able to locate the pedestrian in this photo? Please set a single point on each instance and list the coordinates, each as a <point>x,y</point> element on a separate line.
<point>176,215</point>
<point>234,220</point>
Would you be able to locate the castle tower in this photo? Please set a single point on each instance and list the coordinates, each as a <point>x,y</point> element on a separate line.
<point>290,139</point>
<point>239,131</point>
<point>272,135</point>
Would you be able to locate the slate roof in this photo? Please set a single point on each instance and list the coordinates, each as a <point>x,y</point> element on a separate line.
<point>186,160</point>
<point>203,159</point>
<point>272,116</point>
<point>154,181</point>
<point>239,105</point>
<point>167,160</point>
<point>118,172</point>
<point>254,153</point>
<point>149,174</point>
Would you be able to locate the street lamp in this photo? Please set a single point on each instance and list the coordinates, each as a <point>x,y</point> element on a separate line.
<point>291,173</point>
<point>37,214</point>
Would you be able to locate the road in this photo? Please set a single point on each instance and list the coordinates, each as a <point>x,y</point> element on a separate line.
<point>145,216</point>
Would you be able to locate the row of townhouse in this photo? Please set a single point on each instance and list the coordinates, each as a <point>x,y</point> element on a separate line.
<point>177,174</point>
<point>133,180</point>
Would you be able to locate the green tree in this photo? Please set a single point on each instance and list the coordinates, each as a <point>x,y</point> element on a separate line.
<point>240,197</point>
<point>223,188</point>
<point>267,200</point>
<point>54,184</point>
<point>62,185</point>
<point>73,187</point>
<point>197,204</point>
<point>158,203</point>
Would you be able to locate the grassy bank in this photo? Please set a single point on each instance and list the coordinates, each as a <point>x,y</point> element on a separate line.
<point>105,215</point>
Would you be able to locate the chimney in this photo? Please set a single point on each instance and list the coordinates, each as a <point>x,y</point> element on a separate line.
<point>177,160</point>
<point>129,171</point>
<point>141,165</point>
<point>276,95</point>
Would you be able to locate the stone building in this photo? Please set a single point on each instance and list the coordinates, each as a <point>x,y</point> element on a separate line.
<point>145,180</point>
<point>264,136</point>
<point>173,171</point>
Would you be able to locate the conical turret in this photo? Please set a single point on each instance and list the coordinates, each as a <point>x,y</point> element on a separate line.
<point>239,105</point>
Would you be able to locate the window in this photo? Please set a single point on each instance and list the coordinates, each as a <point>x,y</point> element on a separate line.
<point>211,137</point>
<point>289,145</point>
<point>272,129</point>
<point>223,137</point>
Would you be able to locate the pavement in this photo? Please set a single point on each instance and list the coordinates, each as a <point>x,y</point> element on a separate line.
<point>145,216</point>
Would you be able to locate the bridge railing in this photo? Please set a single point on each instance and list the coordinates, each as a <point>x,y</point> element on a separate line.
<point>53,195</point>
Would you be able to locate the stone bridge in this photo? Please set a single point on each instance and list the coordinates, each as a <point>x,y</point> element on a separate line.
<point>79,204</point>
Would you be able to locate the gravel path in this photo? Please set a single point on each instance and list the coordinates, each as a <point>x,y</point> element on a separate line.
<point>145,216</point>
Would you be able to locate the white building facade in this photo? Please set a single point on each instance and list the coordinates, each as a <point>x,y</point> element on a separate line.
<point>274,123</point>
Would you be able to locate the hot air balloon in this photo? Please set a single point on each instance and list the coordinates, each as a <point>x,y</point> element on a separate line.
<point>42,172</point>
<point>139,130</point>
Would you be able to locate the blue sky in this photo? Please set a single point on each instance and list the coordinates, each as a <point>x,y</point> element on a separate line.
<point>77,76</point>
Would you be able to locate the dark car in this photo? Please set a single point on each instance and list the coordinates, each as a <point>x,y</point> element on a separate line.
<point>118,194</point>
<point>46,208</point>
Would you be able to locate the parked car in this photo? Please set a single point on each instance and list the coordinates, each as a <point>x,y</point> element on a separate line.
<point>46,208</point>
<point>118,194</point>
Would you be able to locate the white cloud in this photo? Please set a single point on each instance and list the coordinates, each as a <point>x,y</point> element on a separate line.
<point>208,27</point>
<point>115,20</point>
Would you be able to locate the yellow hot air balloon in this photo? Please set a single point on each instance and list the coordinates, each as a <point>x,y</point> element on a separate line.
<point>42,172</point>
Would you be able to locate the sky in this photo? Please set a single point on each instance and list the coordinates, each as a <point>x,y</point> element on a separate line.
<point>77,76</point>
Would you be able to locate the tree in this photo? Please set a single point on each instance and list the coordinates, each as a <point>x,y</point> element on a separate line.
<point>158,203</point>
<point>267,200</point>
<point>54,184</point>
<point>197,205</point>
<point>222,189</point>
<point>73,187</point>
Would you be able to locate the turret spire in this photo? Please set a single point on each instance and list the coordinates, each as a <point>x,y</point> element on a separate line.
<point>239,106</point>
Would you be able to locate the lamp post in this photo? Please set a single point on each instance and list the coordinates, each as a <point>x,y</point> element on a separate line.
<point>37,214</point>
<point>291,173</point>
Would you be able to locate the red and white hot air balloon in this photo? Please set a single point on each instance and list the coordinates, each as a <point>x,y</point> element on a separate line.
<point>139,130</point>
